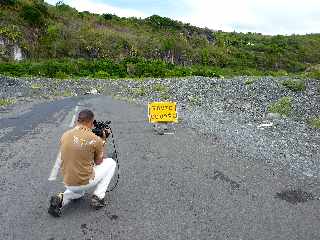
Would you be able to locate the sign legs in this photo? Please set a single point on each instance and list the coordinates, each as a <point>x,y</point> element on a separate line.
<point>164,128</point>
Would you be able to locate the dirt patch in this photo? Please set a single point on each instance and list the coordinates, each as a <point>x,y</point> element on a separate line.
<point>295,196</point>
<point>221,176</point>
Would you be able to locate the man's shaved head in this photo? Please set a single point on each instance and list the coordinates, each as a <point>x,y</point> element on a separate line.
<point>85,116</point>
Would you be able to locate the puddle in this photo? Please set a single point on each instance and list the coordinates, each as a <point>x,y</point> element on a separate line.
<point>295,196</point>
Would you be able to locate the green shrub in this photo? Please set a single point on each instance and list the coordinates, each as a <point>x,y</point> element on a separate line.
<point>64,7</point>
<point>158,87</point>
<point>12,33</point>
<point>36,86</point>
<point>8,2</point>
<point>108,16</point>
<point>163,22</point>
<point>108,68</point>
<point>194,101</point>
<point>204,71</point>
<point>102,75</point>
<point>279,73</point>
<point>295,85</point>
<point>314,75</point>
<point>83,73</point>
<point>315,122</point>
<point>32,15</point>
<point>61,75</point>
<point>283,106</point>
<point>6,102</point>
<point>249,81</point>
<point>249,72</point>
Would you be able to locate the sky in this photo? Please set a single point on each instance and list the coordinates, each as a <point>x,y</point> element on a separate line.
<point>262,16</point>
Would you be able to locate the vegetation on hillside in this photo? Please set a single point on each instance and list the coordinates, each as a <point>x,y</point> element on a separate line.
<point>315,122</point>
<point>295,85</point>
<point>283,106</point>
<point>174,48</point>
<point>126,68</point>
<point>6,102</point>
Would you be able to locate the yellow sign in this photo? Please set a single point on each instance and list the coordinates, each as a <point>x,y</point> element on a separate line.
<point>162,112</point>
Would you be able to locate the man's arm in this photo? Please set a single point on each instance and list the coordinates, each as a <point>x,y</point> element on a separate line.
<point>99,152</point>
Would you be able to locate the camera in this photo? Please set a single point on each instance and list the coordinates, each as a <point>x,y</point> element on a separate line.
<point>100,127</point>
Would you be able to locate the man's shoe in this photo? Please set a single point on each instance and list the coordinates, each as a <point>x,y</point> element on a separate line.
<point>97,203</point>
<point>56,205</point>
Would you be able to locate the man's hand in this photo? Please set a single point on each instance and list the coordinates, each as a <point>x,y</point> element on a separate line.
<point>108,132</point>
<point>104,137</point>
<point>99,160</point>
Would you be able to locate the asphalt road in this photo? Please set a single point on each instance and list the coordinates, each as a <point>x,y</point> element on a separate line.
<point>181,186</point>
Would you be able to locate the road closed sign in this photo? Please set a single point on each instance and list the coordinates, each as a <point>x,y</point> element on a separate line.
<point>162,112</point>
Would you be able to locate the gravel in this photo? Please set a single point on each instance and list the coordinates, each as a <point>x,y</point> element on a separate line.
<point>231,110</point>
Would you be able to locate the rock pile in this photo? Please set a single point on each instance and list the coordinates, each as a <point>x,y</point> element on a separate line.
<point>236,111</point>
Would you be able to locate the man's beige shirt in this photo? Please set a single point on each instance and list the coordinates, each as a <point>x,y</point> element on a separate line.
<point>79,148</point>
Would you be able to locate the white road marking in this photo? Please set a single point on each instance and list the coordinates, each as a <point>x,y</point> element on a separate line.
<point>57,164</point>
<point>55,169</point>
<point>74,117</point>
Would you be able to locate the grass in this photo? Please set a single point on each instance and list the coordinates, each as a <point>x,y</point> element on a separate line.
<point>162,90</point>
<point>194,101</point>
<point>61,75</point>
<point>315,122</point>
<point>141,91</point>
<point>249,81</point>
<point>35,86</point>
<point>296,85</point>
<point>5,102</point>
<point>314,74</point>
<point>102,75</point>
<point>283,106</point>
<point>158,87</point>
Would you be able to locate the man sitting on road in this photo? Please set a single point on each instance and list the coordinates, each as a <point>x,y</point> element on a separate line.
<point>83,165</point>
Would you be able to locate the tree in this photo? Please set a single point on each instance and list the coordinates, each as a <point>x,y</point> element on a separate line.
<point>8,2</point>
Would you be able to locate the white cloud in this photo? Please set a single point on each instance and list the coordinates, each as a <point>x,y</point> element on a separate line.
<point>53,2</point>
<point>100,8</point>
<point>217,14</point>
<point>265,16</point>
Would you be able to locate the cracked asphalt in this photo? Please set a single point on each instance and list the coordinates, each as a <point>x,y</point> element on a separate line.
<point>182,186</point>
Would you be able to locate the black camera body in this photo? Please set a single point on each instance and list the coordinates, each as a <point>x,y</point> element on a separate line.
<point>100,127</point>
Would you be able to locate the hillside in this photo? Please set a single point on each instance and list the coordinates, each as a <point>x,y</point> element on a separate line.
<point>44,32</point>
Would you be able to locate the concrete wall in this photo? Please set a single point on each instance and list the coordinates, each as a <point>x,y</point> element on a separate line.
<point>10,50</point>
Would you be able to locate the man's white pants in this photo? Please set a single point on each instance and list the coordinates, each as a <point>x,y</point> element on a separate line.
<point>103,175</point>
